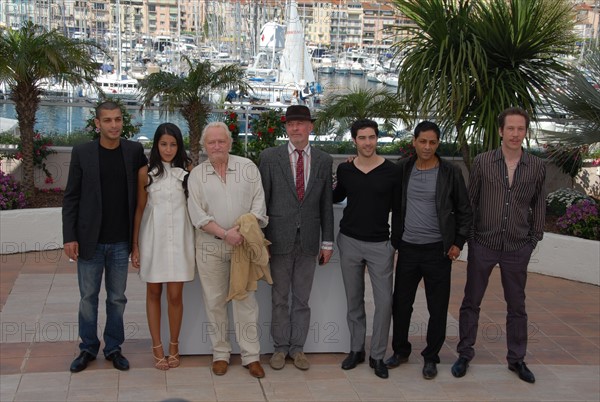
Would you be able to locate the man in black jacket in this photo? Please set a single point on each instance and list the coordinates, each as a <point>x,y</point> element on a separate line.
<point>98,209</point>
<point>429,232</point>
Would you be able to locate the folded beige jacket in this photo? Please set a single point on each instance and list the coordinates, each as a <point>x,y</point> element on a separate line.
<point>250,260</point>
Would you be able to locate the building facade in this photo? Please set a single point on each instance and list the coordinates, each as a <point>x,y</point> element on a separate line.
<point>334,24</point>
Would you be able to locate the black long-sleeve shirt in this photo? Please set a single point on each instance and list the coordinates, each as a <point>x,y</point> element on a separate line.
<point>370,199</point>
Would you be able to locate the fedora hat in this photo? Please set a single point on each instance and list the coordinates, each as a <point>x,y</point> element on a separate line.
<point>298,112</point>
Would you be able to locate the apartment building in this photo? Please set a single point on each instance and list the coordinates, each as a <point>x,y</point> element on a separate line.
<point>338,24</point>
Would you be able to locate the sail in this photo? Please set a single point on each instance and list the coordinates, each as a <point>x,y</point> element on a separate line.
<point>272,35</point>
<point>295,65</point>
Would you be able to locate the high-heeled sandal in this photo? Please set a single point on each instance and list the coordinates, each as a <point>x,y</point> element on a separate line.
<point>173,360</point>
<point>161,362</point>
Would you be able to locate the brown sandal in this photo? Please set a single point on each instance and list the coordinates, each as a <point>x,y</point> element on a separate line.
<point>161,362</point>
<point>173,360</point>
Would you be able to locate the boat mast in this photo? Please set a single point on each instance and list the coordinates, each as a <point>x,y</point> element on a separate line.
<point>118,24</point>
<point>178,68</point>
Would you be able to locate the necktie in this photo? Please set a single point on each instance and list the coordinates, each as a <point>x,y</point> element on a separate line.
<point>300,175</point>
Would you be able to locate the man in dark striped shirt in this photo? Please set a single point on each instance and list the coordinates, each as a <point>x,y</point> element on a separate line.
<point>507,194</point>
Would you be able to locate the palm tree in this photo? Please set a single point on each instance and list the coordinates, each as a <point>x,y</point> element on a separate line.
<point>28,57</point>
<point>190,94</point>
<point>467,60</point>
<point>360,103</point>
<point>580,99</point>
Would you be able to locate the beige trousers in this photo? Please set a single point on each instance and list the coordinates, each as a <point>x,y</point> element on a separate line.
<point>213,259</point>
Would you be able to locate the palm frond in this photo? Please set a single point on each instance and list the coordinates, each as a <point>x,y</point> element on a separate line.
<point>467,60</point>
<point>359,103</point>
<point>580,99</point>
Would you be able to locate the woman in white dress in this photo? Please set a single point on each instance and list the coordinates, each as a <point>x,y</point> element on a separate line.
<point>163,237</point>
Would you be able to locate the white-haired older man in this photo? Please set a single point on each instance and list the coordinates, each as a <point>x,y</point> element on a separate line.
<point>221,189</point>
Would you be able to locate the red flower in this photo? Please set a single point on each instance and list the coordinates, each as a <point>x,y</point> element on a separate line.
<point>270,130</point>
<point>282,118</point>
<point>232,115</point>
<point>259,134</point>
<point>231,127</point>
<point>49,180</point>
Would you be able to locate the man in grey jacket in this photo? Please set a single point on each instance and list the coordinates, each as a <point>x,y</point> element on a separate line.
<point>297,183</point>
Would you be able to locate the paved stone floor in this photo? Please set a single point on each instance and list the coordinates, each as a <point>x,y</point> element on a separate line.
<point>39,299</point>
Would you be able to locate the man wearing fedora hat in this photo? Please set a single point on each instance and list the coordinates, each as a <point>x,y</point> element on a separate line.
<point>297,183</point>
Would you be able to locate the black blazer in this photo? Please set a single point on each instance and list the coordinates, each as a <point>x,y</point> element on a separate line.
<point>82,202</point>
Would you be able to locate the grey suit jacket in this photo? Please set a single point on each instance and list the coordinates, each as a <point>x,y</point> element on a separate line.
<point>313,216</point>
<point>82,202</point>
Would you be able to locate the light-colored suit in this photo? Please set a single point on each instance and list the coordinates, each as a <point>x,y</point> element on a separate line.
<point>295,230</point>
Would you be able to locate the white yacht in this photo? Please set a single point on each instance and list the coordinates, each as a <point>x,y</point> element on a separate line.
<point>326,66</point>
<point>357,69</point>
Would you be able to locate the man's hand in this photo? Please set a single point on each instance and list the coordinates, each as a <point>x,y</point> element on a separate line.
<point>325,256</point>
<point>72,250</point>
<point>234,237</point>
<point>453,253</point>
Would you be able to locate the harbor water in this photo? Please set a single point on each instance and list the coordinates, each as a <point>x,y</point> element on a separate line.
<point>64,118</point>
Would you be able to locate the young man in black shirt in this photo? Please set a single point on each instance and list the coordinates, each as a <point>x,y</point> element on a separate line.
<point>368,183</point>
<point>98,209</point>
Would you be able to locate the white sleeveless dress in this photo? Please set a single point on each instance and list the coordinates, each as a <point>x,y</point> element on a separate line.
<point>166,238</point>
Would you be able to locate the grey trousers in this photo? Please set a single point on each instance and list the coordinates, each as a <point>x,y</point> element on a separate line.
<point>292,275</point>
<point>513,272</point>
<point>378,257</point>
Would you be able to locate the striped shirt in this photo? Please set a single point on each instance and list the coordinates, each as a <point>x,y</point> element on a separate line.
<point>506,217</point>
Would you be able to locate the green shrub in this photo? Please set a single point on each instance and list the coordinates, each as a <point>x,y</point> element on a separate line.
<point>72,139</point>
<point>9,138</point>
<point>558,201</point>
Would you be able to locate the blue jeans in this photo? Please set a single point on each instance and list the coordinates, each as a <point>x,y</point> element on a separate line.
<point>113,259</point>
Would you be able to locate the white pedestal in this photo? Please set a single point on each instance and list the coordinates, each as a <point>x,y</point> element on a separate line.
<point>328,330</point>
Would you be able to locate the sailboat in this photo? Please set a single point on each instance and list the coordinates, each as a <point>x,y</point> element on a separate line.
<point>294,74</point>
<point>115,84</point>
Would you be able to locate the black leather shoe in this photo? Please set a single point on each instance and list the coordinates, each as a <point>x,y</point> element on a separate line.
<point>119,361</point>
<point>429,370</point>
<point>459,368</point>
<point>81,361</point>
<point>379,367</point>
<point>395,360</point>
<point>353,359</point>
<point>521,369</point>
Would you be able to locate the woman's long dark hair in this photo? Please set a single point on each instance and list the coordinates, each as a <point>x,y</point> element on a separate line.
<point>181,159</point>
